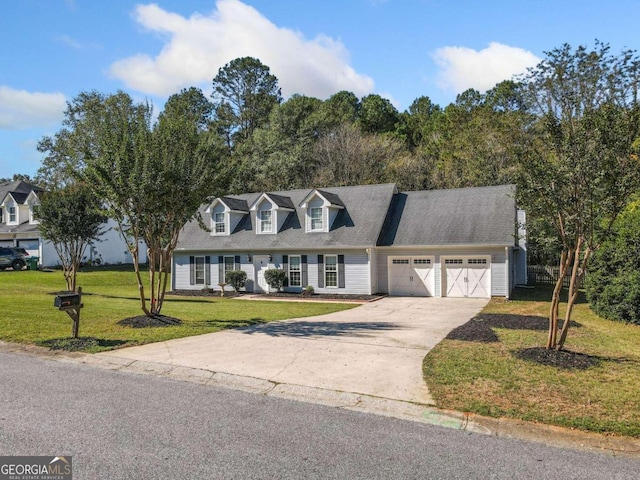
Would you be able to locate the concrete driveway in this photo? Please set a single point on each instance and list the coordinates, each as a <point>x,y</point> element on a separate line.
<point>375,349</point>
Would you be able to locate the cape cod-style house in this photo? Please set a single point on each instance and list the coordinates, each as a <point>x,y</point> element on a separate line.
<point>367,239</point>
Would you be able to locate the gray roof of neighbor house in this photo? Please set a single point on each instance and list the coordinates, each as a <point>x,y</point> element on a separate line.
<point>357,225</point>
<point>462,216</point>
<point>19,188</point>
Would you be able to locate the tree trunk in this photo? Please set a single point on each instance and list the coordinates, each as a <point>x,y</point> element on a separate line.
<point>565,261</point>
<point>577,274</point>
<point>136,267</point>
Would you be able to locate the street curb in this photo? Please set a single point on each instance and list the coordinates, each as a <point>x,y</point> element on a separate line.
<point>416,412</point>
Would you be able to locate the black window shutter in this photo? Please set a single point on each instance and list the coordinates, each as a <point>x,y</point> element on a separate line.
<point>304,275</point>
<point>236,265</point>
<point>192,270</point>
<point>220,269</point>
<point>285,267</point>
<point>207,270</point>
<point>320,271</point>
<point>340,271</point>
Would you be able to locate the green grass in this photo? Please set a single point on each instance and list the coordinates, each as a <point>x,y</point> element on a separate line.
<point>488,378</point>
<point>28,315</point>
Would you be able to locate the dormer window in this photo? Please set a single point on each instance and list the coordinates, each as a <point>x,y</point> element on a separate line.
<point>219,223</point>
<point>226,214</point>
<point>315,213</point>
<point>321,209</point>
<point>271,212</point>
<point>266,225</point>
<point>12,214</point>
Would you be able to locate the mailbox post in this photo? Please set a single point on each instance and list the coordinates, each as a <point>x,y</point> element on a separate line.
<point>71,303</point>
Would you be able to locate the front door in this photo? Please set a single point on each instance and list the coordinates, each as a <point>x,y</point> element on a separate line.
<point>260,264</point>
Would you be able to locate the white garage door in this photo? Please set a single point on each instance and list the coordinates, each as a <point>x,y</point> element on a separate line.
<point>31,246</point>
<point>411,276</point>
<point>467,277</point>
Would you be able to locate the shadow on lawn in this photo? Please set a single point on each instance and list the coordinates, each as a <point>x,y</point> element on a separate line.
<point>481,327</point>
<point>225,324</point>
<point>323,329</point>
<point>543,293</point>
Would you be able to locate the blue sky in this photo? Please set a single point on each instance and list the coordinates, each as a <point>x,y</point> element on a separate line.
<point>51,50</point>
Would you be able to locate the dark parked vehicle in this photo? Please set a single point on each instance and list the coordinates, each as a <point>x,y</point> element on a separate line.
<point>13,257</point>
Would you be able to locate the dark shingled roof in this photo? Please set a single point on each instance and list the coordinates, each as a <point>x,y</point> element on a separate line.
<point>357,225</point>
<point>235,204</point>
<point>331,197</point>
<point>377,215</point>
<point>281,200</point>
<point>462,216</point>
<point>19,189</point>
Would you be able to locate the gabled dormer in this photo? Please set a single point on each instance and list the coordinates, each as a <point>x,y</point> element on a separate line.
<point>271,211</point>
<point>15,211</point>
<point>320,210</point>
<point>226,213</point>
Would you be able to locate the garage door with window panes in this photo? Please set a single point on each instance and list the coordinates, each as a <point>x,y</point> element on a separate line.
<point>412,276</point>
<point>466,277</point>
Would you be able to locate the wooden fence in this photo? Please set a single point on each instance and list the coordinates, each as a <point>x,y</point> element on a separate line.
<point>546,275</point>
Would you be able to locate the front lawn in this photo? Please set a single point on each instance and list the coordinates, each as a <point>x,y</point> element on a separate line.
<point>27,314</point>
<point>493,366</point>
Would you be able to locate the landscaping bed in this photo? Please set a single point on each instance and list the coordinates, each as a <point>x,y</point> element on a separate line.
<point>496,365</point>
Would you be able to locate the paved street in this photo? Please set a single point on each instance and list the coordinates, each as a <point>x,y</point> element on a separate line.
<point>119,425</point>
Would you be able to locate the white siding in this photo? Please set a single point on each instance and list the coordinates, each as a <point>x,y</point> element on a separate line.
<point>180,275</point>
<point>498,264</point>
<point>356,265</point>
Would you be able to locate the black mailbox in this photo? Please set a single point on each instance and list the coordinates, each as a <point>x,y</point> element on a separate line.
<point>67,300</point>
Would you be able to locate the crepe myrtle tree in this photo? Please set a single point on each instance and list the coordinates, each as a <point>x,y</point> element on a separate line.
<point>71,218</point>
<point>151,176</point>
<point>581,168</point>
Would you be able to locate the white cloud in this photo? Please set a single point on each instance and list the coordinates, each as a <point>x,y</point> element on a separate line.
<point>462,68</point>
<point>198,46</point>
<point>22,109</point>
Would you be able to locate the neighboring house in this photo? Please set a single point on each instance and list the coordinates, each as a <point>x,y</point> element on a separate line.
<point>18,228</point>
<point>361,240</point>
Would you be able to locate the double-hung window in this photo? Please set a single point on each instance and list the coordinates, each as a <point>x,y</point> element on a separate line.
<point>229,265</point>
<point>12,214</point>
<point>265,221</point>
<point>295,271</point>
<point>218,220</point>
<point>199,270</point>
<point>331,270</point>
<point>315,213</point>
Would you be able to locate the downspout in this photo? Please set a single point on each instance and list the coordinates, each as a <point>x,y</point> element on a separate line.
<point>368,250</point>
<point>508,277</point>
<point>173,272</point>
